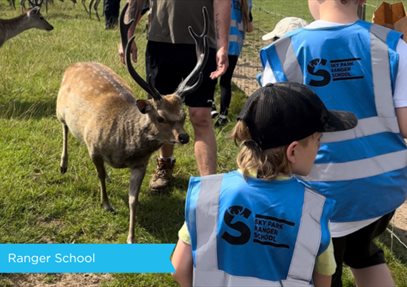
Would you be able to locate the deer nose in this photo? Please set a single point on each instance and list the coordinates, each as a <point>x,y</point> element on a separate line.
<point>183,138</point>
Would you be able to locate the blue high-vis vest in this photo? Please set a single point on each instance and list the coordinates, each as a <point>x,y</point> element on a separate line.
<point>353,68</point>
<point>252,232</point>
<point>237,30</point>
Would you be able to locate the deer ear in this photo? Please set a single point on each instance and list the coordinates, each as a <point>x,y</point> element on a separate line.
<point>144,106</point>
<point>34,10</point>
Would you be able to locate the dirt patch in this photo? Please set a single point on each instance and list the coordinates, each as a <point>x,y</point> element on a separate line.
<point>244,75</point>
<point>399,223</point>
<point>58,280</point>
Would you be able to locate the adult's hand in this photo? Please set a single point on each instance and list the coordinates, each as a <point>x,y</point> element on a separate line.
<point>133,52</point>
<point>222,63</point>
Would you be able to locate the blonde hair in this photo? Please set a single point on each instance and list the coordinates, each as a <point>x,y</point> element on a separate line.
<point>268,164</point>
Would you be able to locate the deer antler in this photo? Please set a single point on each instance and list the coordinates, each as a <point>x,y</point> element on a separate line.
<point>36,3</point>
<point>202,54</point>
<point>126,43</point>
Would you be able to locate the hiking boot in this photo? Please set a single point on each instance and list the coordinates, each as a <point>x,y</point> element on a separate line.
<point>162,175</point>
<point>221,121</point>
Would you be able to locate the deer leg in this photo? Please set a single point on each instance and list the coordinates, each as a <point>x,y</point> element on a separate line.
<point>136,178</point>
<point>84,6</point>
<point>96,9</point>
<point>90,8</point>
<point>100,168</point>
<point>63,166</point>
<point>22,5</point>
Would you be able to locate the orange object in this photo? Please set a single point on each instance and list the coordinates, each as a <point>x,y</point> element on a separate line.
<point>388,14</point>
<point>401,26</point>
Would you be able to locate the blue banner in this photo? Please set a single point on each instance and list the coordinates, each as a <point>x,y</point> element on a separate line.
<point>86,258</point>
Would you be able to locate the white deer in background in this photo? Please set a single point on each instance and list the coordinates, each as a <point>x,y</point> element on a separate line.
<point>10,28</point>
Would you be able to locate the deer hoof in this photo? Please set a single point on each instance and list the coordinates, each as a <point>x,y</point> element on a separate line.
<point>108,207</point>
<point>130,240</point>
<point>63,169</point>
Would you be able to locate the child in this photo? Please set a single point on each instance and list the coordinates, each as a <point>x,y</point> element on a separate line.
<point>360,67</point>
<point>260,226</point>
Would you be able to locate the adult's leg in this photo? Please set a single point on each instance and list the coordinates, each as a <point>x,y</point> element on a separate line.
<point>365,258</point>
<point>167,150</point>
<point>204,149</point>
<point>205,140</point>
<point>373,276</point>
<point>111,12</point>
<point>339,244</point>
<point>162,176</point>
<point>226,85</point>
<point>165,79</point>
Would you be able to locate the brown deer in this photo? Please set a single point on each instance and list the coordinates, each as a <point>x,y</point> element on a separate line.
<point>99,109</point>
<point>32,19</point>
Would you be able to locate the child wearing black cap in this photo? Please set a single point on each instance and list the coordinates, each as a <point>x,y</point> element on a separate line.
<point>259,225</point>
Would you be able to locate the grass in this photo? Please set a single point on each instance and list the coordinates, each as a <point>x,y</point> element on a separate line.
<point>37,203</point>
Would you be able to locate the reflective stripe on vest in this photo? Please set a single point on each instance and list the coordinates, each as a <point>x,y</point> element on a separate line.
<point>365,127</point>
<point>291,67</point>
<point>385,121</point>
<point>236,31</point>
<point>380,70</point>
<point>237,25</point>
<point>206,272</point>
<point>371,166</point>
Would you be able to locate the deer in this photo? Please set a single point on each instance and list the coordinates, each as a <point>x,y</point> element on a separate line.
<point>98,108</point>
<point>10,28</point>
<point>95,5</point>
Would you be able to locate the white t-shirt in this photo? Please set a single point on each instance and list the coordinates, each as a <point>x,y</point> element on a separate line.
<point>400,100</point>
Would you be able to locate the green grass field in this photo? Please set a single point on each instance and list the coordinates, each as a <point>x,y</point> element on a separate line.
<point>37,203</point>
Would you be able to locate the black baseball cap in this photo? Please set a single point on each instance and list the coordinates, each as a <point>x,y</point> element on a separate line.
<point>281,113</point>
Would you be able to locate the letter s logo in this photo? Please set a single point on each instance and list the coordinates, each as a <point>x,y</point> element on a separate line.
<point>326,76</point>
<point>239,226</point>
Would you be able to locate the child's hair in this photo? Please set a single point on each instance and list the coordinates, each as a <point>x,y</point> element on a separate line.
<point>275,116</point>
<point>266,164</point>
<point>245,13</point>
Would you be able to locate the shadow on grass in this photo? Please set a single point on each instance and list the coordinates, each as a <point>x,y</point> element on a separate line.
<point>162,214</point>
<point>27,110</point>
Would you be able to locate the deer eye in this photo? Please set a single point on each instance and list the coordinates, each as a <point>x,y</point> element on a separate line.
<point>160,119</point>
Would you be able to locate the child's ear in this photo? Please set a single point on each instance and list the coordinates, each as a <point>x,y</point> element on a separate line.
<point>290,152</point>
